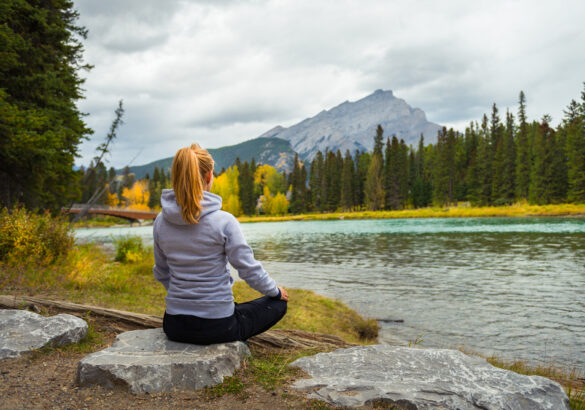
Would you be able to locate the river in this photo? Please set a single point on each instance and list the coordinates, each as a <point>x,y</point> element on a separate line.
<point>514,287</point>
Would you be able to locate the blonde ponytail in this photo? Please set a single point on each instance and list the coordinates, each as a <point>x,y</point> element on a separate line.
<point>191,167</point>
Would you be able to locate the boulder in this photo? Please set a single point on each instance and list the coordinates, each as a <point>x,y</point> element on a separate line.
<point>145,361</point>
<point>423,379</point>
<point>22,331</point>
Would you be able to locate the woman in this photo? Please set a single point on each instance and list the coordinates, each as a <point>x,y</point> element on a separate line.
<point>193,242</point>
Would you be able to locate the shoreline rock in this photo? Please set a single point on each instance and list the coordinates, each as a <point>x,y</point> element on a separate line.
<point>22,331</point>
<point>145,361</point>
<point>423,379</point>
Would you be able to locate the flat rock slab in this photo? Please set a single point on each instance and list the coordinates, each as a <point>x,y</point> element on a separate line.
<point>423,379</point>
<point>145,361</point>
<point>22,331</point>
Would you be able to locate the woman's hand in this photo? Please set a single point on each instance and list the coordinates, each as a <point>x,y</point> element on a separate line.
<point>283,294</point>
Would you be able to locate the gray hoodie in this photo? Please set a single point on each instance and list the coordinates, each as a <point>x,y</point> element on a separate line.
<point>191,261</point>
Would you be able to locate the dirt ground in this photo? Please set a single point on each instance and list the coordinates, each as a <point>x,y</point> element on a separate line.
<point>45,379</point>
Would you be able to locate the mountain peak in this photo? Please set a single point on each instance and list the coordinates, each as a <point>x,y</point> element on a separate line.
<point>379,91</point>
<point>352,125</point>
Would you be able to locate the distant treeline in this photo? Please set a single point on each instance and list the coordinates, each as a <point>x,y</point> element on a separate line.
<point>495,162</point>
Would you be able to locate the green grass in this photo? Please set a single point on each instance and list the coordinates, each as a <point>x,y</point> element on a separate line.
<point>576,398</point>
<point>230,385</point>
<point>269,371</point>
<point>89,276</point>
<point>315,313</point>
<point>100,221</point>
<point>521,209</point>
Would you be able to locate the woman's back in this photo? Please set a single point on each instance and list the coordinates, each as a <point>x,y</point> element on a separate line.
<point>193,242</point>
<point>196,256</point>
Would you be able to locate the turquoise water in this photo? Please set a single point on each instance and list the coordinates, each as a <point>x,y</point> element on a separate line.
<point>510,286</point>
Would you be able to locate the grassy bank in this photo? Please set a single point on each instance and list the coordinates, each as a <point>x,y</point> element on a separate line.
<point>87,275</point>
<point>104,221</point>
<point>516,210</point>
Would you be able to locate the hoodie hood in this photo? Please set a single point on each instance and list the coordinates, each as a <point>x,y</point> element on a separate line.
<point>172,211</point>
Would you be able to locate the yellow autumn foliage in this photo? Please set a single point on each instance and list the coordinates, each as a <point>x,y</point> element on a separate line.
<point>263,174</point>
<point>111,199</point>
<point>273,204</point>
<point>136,197</point>
<point>226,185</point>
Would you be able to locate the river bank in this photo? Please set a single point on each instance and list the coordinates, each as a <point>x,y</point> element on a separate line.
<point>515,210</point>
<point>464,211</point>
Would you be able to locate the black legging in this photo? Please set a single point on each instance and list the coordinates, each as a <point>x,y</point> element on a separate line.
<point>249,319</point>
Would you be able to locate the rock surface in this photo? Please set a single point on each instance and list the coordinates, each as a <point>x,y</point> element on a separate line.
<point>22,331</point>
<point>423,379</point>
<point>145,361</point>
<point>352,125</point>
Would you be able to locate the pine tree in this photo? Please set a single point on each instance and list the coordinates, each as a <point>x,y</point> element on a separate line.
<point>473,170</point>
<point>333,164</point>
<point>523,149</point>
<point>347,181</point>
<point>412,174</point>
<point>393,176</point>
<point>539,176</point>
<point>574,125</point>
<point>257,189</point>
<point>387,172</point>
<point>461,168</point>
<point>379,141</point>
<point>374,191</point>
<point>246,181</point>
<point>420,196</point>
<point>298,183</point>
<point>508,181</point>
<point>497,147</point>
<point>485,164</point>
<point>557,169</point>
<point>315,181</point>
<point>361,165</point>
<point>403,178</point>
<point>444,167</point>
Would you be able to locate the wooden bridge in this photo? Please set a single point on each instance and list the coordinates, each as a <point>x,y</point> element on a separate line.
<point>128,214</point>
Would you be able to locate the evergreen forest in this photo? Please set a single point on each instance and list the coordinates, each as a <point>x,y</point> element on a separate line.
<point>498,161</point>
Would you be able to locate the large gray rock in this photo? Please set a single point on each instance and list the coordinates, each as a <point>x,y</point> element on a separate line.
<point>423,379</point>
<point>22,331</point>
<point>145,361</point>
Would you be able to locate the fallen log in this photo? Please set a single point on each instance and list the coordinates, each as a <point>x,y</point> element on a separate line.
<point>275,339</point>
<point>138,319</point>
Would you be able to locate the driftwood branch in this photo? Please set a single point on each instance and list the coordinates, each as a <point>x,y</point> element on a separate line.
<point>139,320</point>
<point>275,339</point>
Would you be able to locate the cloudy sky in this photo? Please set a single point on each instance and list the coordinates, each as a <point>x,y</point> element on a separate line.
<point>220,72</point>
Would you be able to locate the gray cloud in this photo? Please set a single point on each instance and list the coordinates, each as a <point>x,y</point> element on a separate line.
<point>223,72</point>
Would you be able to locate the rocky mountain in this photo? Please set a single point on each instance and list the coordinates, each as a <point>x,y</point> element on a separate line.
<point>352,125</point>
<point>272,151</point>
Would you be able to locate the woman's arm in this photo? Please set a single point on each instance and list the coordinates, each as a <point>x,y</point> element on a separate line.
<point>161,268</point>
<point>241,257</point>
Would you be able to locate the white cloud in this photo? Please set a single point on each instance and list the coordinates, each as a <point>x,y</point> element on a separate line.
<point>223,72</point>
